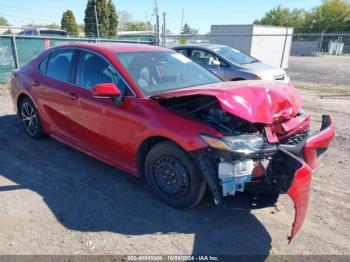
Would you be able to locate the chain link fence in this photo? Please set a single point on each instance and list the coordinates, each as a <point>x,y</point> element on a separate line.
<point>320,44</point>
<point>305,44</point>
<point>16,50</point>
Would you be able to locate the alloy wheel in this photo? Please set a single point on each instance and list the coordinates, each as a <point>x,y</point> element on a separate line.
<point>29,118</point>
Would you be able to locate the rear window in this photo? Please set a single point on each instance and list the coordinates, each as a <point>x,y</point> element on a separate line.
<point>43,65</point>
<point>59,65</point>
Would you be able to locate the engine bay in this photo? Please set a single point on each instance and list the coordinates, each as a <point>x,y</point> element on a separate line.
<point>207,110</point>
<point>235,170</point>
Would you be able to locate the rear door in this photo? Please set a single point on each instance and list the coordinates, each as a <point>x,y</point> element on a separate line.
<point>97,124</point>
<point>51,89</point>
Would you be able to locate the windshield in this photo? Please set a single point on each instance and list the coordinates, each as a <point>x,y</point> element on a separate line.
<point>157,72</point>
<point>235,56</point>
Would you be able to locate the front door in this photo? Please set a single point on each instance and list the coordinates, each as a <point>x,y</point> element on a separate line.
<point>210,61</point>
<point>97,124</point>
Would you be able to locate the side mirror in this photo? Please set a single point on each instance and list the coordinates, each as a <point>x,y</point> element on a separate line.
<point>105,90</point>
<point>108,90</point>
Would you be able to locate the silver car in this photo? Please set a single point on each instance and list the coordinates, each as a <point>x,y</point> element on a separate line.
<point>44,32</point>
<point>231,64</point>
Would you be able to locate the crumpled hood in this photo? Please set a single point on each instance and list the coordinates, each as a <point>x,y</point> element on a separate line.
<point>255,101</point>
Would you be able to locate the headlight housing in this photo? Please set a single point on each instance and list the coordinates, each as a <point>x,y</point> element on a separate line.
<point>242,144</point>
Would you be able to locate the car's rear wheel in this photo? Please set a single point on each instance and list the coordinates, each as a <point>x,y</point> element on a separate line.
<point>30,118</point>
<point>173,176</point>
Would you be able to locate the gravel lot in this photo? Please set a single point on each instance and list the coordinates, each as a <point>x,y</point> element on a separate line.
<point>56,200</point>
<point>323,70</point>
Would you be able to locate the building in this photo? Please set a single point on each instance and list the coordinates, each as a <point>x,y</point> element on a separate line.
<point>270,44</point>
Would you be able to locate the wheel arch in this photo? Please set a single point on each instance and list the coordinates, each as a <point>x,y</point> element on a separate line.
<point>19,101</point>
<point>145,147</point>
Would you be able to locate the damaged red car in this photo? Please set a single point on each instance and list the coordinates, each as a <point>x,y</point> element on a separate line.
<point>153,112</point>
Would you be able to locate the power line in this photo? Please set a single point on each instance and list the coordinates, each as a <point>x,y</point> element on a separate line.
<point>22,17</point>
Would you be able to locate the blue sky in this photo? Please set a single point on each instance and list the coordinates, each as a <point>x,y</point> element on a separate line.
<point>199,14</point>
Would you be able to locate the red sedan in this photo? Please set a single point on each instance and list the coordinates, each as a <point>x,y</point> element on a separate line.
<point>153,112</point>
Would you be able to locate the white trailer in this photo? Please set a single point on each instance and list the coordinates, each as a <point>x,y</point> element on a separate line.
<point>270,44</point>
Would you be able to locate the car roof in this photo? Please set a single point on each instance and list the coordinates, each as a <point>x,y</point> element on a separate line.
<point>118,47</point>
<point>50,29</point>
<point>43,29</point>
<point>203,46</point>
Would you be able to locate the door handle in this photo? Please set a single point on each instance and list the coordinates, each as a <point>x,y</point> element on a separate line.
<point>73,96</point>
<point>36,83</point>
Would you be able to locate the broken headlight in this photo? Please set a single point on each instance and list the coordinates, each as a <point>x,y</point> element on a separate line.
<point>242,144</point>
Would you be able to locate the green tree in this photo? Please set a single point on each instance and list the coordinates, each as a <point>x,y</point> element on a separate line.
<point>3,21</point>
<point>187,30</point>
<point>107,19</point>
<point>124,17</point>
<point>102,16</point>
<point>113,19</point>
<point>89,20</point>
<point>330,16</point>
<point>69,24</point>
<point>138,26</point>
<point>280,16</point>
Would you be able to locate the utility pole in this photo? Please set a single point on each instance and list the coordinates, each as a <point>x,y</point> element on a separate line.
<point>156,12</point>
<point>164,28</point>
<point>146,24</point>
<point>182,19</point>
<point>96,19</point>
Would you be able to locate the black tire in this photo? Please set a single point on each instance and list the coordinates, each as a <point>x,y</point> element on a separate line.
<point>30,118</point>
<point>173,176</point>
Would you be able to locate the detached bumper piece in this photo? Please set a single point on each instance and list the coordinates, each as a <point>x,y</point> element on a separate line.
<point>302,159</point>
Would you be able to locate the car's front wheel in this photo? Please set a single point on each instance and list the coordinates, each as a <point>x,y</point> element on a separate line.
<point>173,176</point>
<point>30,118</point>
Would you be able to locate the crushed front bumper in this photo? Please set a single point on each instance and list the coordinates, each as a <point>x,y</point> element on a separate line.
<point>289,171</point>
<point>306,153</point>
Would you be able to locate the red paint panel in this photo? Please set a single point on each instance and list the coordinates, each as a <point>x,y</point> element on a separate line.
<point>320,141</point>
<point>299,192</point>
<point>292,126</point>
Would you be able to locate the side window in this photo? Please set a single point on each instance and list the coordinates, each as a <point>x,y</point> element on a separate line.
<point>205,58</point>
<point>59,65</point>
<point>93,69</point>
<point>43,65</point>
